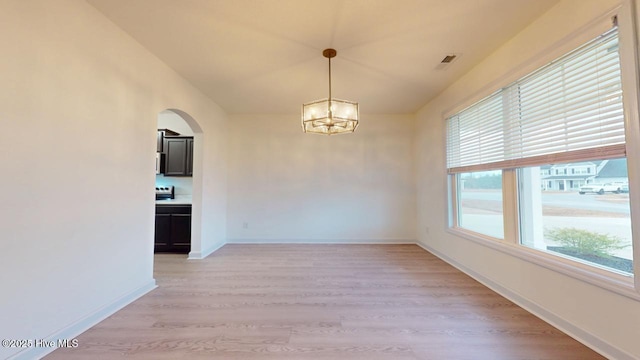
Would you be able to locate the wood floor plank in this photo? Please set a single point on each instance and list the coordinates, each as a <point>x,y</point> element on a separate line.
<point>322,301</point>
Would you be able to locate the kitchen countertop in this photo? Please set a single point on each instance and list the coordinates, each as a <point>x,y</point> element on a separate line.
<point>179,200</point>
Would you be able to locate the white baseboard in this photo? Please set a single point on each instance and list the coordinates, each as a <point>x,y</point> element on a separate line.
<point>199,255</point>
<point>74,329</point>
<point>323,241</point>
<point>586,338</point>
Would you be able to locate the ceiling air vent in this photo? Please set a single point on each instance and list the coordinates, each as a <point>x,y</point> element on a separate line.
<point>448,59</point>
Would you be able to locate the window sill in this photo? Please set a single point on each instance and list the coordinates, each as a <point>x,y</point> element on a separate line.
<point>608,280</point>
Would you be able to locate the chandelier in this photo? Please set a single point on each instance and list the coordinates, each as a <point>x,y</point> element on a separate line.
<point>329,116</point>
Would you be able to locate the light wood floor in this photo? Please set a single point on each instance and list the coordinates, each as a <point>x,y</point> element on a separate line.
<point>320,302</point>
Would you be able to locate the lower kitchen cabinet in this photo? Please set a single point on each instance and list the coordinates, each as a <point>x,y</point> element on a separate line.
<point>173,228</point>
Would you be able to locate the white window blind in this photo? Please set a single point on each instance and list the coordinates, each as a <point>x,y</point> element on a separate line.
<point>476,134</point>
<point>568,110</point>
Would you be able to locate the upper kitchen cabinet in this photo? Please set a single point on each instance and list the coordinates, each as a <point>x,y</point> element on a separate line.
<point>189,156</point>
<point>179,156</point>
<point>161,135</point>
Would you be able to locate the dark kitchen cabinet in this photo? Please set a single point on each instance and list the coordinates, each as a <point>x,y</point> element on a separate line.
<point>161,135</point>
<point>190,157</point>
<point>178,156</point>
<point>163,231</point>
<point>173,228</point>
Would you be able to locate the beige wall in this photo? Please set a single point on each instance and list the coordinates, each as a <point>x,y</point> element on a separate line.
<point>285,185</point>
<point>79,102</point>
<point>606,320</point>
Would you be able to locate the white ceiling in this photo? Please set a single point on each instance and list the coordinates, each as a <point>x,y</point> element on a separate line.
<point>265,56</point>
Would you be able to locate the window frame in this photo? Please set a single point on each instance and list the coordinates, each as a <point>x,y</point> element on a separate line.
<point>627,285</point>
<point>521,219</point>
<point>456,214</point>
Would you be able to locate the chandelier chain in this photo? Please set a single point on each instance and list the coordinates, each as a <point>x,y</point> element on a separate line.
<point>329,80</point>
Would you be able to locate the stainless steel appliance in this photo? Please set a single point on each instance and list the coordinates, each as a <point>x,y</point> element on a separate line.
<point>165,192</point>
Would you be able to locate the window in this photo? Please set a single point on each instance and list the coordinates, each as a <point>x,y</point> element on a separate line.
<point>591,224</point>
<point>480,209</point>
<point>542,163</point>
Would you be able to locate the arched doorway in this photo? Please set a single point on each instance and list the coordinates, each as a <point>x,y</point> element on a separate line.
<point>188,188</point>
